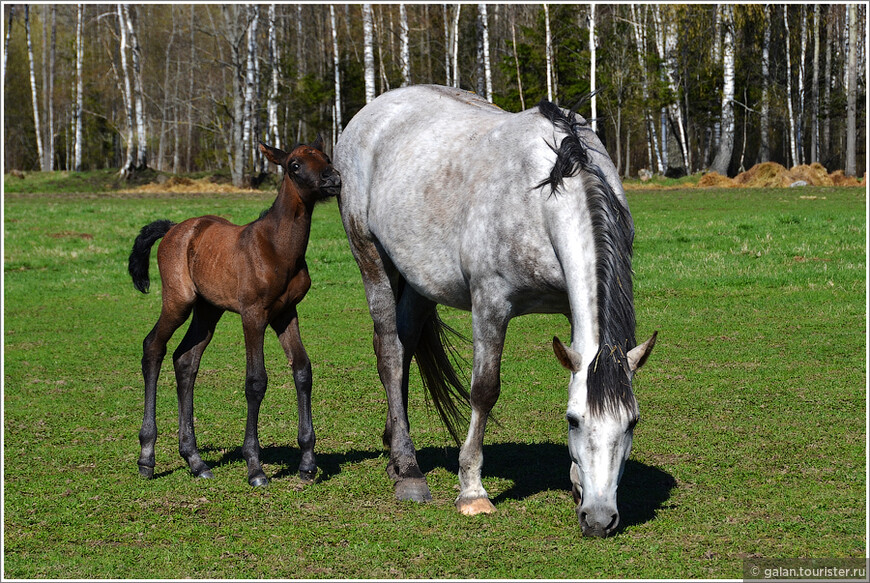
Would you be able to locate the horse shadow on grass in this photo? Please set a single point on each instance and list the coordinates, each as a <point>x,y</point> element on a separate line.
<point>530,467</point>
<point>536,467</point>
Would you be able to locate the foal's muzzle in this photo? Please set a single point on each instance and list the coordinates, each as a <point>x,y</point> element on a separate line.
<point>331,185</point>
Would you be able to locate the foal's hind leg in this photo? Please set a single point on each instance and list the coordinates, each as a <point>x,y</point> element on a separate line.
<point>186,361</point>
<point>171,317</point>
<point>287,328</point>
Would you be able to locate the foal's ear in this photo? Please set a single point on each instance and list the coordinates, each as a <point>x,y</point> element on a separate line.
<point>318,143</point>
<point>567,357</point>
<point>274,155</point>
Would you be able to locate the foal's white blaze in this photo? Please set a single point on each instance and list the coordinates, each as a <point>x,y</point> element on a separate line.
<point>599,444</point>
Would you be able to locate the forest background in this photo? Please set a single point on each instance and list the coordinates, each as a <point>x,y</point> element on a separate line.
<point>187,88</point>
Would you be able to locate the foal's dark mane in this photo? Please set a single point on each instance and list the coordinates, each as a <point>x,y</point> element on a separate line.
<point>608,381</point>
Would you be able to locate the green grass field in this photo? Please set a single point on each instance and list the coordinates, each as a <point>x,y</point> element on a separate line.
<point>752,441</point>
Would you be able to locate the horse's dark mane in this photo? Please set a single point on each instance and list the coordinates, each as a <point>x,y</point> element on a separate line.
<point>608,381</point>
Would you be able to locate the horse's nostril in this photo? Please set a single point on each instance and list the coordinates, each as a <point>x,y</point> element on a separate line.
<point>614,521</point>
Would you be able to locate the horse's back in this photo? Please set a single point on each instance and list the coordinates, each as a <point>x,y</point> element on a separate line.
<point>446,184</point>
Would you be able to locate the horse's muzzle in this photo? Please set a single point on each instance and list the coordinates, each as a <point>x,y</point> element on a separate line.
<point>597,521</point>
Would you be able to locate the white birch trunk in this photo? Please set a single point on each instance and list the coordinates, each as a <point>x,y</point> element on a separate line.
<point>652,134</point>
<point>404,36</point>
<point>274,59</point>
<point>36,124</point>
<point>447,76</point>
<point>336,61</point>
<point>592,68</point>
<point>764,153</point>
<point>8,37</point>
<point>826,109</point>
<point>80,51</point>
<point>50,88</point>
<point>487,66</point>
<point>369,51</point>
<point>130,160</point>
<point>250,80</point>
<point>801,115</point>
<point>814,113</point>
<point>455,38</point>
<point>851,95</point>
<point>549,52</point>
<point>669,38</point>
<point>138,93</point>
<point>791,124</point>
<point>517,61</point>
<point>726,145</point>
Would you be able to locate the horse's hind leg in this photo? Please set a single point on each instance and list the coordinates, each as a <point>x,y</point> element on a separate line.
<point>287,329</point>
<point>153,351</point>
<point>186,361</point>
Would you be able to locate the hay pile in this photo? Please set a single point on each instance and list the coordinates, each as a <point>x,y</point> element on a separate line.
<point>773,175</point>
<point>183,185</point>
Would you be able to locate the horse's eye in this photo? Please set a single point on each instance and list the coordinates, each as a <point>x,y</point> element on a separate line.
<point>632,423</point>
<point>573,421</point>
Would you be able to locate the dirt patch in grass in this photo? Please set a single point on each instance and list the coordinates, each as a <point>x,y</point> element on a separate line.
<point>181,185</point>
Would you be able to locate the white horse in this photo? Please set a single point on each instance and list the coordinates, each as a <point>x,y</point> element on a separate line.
<point>447,199</point>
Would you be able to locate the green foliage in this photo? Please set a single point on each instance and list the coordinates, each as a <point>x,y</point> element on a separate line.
<point>752,440</point>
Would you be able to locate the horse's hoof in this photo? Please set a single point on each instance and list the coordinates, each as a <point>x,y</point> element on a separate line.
<point>474,506</point>
<point>146,472</point>
<point>414,489</point>
<point>259,481</point>
<point>307,475</point>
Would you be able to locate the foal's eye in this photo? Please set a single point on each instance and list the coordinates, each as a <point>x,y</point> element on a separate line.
<point>294,166</point>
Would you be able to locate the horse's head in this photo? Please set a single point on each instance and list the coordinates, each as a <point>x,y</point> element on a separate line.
<point>308,167</point>
<point>599,438</point>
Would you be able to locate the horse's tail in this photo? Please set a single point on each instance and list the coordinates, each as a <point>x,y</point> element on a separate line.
<point>440,379</point>
<point>141,254</point>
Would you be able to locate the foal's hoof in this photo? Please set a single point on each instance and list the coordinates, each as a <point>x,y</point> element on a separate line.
<point>146,472</point>
<point>259,481</point>
<point>474,506</point>
<point>414,489</point>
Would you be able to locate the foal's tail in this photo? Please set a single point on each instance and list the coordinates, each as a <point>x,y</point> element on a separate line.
<point>440,379</point>
<point>141,254</point>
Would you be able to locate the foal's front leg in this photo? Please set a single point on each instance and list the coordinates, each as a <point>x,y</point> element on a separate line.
<point>287,328</point>
<point>255,390</point>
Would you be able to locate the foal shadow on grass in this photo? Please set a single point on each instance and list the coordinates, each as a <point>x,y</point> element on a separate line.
<point>537,467</point>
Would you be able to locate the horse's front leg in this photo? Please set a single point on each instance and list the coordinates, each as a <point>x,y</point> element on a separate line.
<point>186,360</point>
<point>489,327</point>
<point>287,328</point>
<point>255,389</point>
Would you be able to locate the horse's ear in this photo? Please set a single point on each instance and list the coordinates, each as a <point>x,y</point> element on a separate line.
<point>638,355</point>
<point>274,155</point>
<point>318,143</point>
<point>567,357</point>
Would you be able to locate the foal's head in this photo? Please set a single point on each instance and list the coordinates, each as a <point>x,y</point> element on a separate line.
<point>307,167</point>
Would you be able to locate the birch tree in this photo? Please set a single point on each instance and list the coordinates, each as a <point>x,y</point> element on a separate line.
<point>814,112</point>
<point>764,148</point>
<point>36,125</point>
<point>791,122</point>
<point>484,64</point>
<point>653,153</point>
<point>127,93</point>
<point>549,52</point>
<point>726,145</point>
<point>48,88</point>
<point>8,37</point>
<point>248,130</point>
<point>851,94</point>
<point>448,78</point>
<point>404,37</point>
<point>592,69</point>
<point>455,41</point>
<point>335,61</point>
<point>138,92</point>
<point>369,52</point>
<point>272,103</point>
<point>80,50</point>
